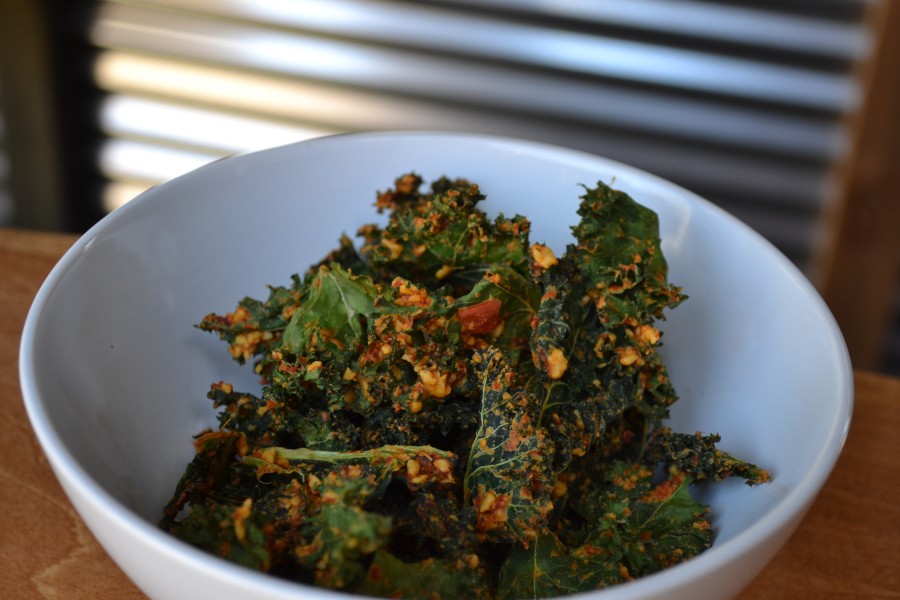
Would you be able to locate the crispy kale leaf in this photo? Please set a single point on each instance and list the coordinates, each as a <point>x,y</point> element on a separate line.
<point>332,315</point>
<point>342,534</point>
<point>453,411</point>
<point>431,578</point>
<point>619,255</point>
<point>508,478</point>
<point>235,533</point>
<point>432,236</point>
<point>255,327</point>
<point>631,528</point>
<point>697,455</point>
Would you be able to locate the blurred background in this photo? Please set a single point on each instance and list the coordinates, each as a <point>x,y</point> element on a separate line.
<point>783,112</point>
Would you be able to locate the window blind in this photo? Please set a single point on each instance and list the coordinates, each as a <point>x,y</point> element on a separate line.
<point>744,103</point>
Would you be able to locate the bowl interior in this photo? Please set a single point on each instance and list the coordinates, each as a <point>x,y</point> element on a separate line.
<point>120,374</point>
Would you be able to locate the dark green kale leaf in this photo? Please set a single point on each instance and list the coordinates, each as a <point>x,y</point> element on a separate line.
<point>642,524</point>
<point>630,528</point>
<point>572,408</point>
<point>414,356</point>
<point>343,535</point>
<point>436,523</point>
<point>321,429</point>
<point>343,521</point>
<point>211,471</point>
<point>261,420</point>
<point>670,527</point>
<point>550,340</point>
<point>696,454</point>
<point>508,477</point>
<point>449,425</point>
<point>621,269</point>
<point>432,578</point>
<point>547,568</point>
<point>618,252</point>
<point>429,237</point>
<point>255,327</point>
<point>235,533</point>
<point>332,314</point>
<point>285,415</point>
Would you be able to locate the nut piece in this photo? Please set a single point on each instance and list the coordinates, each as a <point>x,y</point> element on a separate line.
<point>629,356</point>
<point>434,383</point>
<point>543,255</point>
<point>647,334</point>
<point>557,363</point>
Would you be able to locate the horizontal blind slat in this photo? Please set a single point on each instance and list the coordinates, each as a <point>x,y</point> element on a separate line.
<point>707,20</point>
<point>222,132</point>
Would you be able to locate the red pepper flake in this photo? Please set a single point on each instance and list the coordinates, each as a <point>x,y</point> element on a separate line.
<point>480,318</point>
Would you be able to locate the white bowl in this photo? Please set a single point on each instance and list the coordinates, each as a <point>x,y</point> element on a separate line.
<point>115,376</point>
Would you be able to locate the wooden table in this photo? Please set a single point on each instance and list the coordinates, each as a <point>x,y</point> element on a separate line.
<point>848,546</point>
